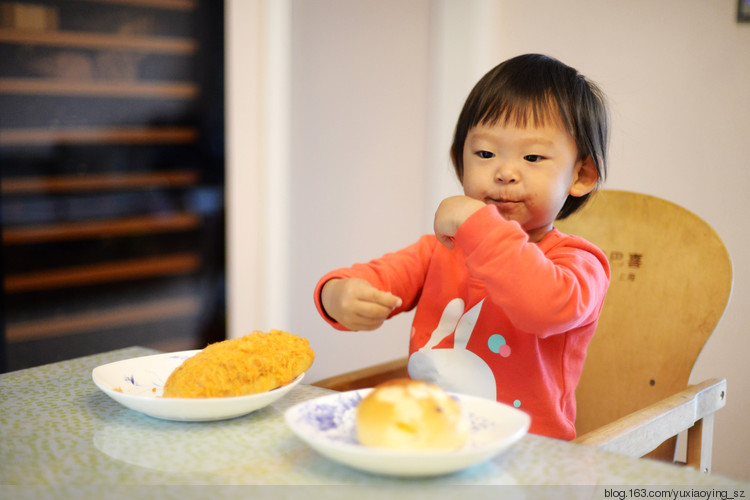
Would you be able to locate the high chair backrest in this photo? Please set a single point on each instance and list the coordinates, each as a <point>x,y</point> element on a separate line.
<point>671,281</point>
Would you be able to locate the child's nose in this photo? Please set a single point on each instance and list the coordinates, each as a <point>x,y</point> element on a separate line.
<point>506,173</point>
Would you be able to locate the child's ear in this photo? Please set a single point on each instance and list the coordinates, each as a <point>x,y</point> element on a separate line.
<point>585,177</point>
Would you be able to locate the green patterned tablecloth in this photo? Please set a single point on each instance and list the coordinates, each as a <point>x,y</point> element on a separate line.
<point>58,429</point>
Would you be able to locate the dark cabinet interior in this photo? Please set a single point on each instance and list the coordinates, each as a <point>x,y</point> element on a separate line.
<point>111,149</point>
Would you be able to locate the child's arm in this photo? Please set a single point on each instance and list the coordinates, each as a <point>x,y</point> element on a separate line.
<point>399,276</point>
<point>546,288</point>
<point>356,304</point>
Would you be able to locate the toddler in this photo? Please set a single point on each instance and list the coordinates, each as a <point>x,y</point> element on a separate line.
<point>505,303</point>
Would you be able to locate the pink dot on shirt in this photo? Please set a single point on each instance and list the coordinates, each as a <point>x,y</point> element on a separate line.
<point>496,344</point>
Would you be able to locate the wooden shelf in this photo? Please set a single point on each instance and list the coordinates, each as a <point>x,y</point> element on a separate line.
<point>110,228</point>
<point>94,88</point>
<point>156,4</point>
<point>99,182</point>
<point>72,39</point>
<point>94,274</point>
<point>157,310</point>
<point>109,100</point>
<point>96,135</point>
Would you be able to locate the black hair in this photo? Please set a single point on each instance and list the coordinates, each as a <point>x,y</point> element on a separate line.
<point>535,89</point>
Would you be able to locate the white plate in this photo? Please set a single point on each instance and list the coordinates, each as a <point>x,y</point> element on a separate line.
<point>327,424</point>
<point>138,384</point>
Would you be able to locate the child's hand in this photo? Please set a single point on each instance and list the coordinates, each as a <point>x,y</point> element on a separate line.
<point>356,304</point>
<point>451,213</point>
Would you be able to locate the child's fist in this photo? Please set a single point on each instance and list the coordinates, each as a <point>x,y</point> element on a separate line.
<point>451,213</point>
<point>356,304</point>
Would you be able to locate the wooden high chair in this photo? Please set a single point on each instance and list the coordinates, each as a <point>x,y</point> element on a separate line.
<point>671,281</point>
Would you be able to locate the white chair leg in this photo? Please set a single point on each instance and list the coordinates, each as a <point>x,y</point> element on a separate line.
<point>700,445</point>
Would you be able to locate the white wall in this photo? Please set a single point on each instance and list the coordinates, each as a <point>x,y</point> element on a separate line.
<point>246,137</point>
<point>358,141</point>
<point>359,160</point>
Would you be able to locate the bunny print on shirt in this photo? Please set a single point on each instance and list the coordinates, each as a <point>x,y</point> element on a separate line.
<point>457,369</point>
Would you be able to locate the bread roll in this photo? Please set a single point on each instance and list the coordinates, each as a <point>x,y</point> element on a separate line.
<point>411,415</point>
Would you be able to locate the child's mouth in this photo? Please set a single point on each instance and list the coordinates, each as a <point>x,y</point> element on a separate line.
<point>503,202</point>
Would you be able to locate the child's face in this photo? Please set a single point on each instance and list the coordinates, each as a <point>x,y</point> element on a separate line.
<point>527,173</point>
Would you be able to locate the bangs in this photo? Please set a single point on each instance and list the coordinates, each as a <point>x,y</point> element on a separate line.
<point>524,111</point>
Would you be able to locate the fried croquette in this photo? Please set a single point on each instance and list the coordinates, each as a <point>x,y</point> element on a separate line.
<point>255,363</point>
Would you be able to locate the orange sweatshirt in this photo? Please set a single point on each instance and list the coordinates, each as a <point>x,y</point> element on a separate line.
<point>497,316</point>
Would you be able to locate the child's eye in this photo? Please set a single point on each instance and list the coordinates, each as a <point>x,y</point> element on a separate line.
<point>485,154</point>
<point>533,158</point>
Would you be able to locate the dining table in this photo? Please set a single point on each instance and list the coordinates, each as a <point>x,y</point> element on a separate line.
<point>61,436</point>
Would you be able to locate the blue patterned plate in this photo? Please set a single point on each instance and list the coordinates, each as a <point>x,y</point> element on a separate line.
<point>138,384</point>
<point>327,424</point>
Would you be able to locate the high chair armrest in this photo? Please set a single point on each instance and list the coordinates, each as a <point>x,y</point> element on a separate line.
<point>366,377</point>
<point>642,431</point>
